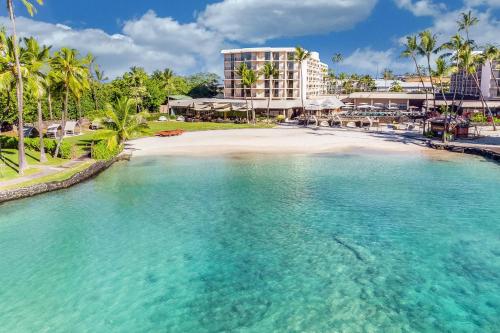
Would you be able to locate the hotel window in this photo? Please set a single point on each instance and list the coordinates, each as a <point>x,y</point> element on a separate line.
<point>266,94</point>
<point>266,84</point>
<point>276,85</point>
<point>267,56</point>
<point>291,56</point>
<point>290,84</point>
<point>276,56</point>
<point>290,75</point>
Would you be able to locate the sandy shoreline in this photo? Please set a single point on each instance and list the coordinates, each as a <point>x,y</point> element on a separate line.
<point>275,141</point>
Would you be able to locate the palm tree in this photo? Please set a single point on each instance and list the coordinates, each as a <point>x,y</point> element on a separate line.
<point>455,45</point>
<point>465,22</point>
<point>491,54</point>
<point>167,84</point>
<point>71,73</point>
<point>426,47</point>
<point>471,62</point>
<point>411,51</point>
<point>442,69</point>
<point>337,59</point>
<point>23,164</point>
<point>302,55</point>
<point>241,72</point>
<point>96,78</point>
<point>270,71</point>
<point>249,79</point>
<point>38,57</point>
<point>123,122</point>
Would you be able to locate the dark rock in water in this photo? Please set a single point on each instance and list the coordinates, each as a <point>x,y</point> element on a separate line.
<point>151,278</point>
<point>349,247</point>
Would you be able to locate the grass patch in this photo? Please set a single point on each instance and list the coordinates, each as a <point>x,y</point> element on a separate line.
<point>59,176</point>
<point>9,163</point>
<point>199,126</point>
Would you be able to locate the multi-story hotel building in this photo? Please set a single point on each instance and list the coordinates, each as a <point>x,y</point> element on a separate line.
<point>287,85</point>
<point>464,85</point>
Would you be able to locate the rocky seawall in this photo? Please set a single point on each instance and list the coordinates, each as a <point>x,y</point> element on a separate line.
<point>32,190</point>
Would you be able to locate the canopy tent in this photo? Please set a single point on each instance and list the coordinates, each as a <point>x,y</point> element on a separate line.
<point>319,104</point>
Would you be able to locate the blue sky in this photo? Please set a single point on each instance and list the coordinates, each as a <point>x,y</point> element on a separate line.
<point>188,35</point>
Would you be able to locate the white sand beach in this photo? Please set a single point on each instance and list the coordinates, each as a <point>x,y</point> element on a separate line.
<point>274,141</point>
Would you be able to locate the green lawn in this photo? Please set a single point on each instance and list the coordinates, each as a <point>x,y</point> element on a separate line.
<point>60,176</point>
<point>9,163</point>
<point>199,126</point>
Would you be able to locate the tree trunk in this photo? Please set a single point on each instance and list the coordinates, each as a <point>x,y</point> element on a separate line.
<point>476,79</point>
<point>246,102</point>
<point>23,164</point>
<point>270,95</point>
<point>94,97</point>
<point>432,83</point>
<point>306,122</point>
<point>422,81</point>
<point>253,110</point>
<point>79,107</point>
<point>445,111</point>
<point>49,101</point>
<point>425,90</point>
<point>43,157</point>
<point>63,121</point>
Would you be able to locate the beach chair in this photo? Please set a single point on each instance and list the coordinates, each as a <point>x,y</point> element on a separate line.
<point>54,131</point>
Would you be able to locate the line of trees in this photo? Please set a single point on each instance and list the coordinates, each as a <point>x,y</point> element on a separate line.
<point>460,55</point>
<point>38,83</point>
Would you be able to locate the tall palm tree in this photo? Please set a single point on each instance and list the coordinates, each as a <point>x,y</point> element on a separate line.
<point>38,58</point>
<point>71,73</point>
<point>411,51</point>
<point>96,78</point>
<point>426,48</point>
<point>167,84</point>
<point>248,80</point>
<point>491,54</point>
<point>301,56</point>
<point>470,63</point>
<point>337,59</point>
<point>466,21</point>
<point>455,45</point>
<point>23,164</point>
<point>270,72</point>
<point>442,69</point>
<point>241,72</point>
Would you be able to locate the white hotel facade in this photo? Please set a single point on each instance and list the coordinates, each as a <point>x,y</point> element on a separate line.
<point>287,86</point>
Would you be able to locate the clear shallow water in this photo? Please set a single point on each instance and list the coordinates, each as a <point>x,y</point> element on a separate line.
<point>287,244</point>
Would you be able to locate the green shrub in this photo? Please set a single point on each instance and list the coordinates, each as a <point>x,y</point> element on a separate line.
<point>100,151</point>
<point>66,151</point>
<point>173,117</point>
<point>8,142</point>
<point>280,118</point>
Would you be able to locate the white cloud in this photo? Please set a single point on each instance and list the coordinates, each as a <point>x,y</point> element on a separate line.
<point>368,61</point>
<point>421,7</point>
<point>258,21</point>
<point>149,41</point>
<point>475,3</point>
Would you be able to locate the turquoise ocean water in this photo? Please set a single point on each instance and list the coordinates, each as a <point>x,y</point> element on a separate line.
<point>343,243</point>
